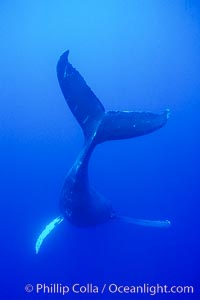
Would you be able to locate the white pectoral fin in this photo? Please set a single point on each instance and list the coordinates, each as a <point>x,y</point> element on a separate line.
<point>148,223</point>
<point>47,230</point>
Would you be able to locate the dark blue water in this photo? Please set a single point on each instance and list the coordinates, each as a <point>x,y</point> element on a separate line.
<point>135,55</point>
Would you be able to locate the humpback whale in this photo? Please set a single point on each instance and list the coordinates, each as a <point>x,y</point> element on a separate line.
<point>79,202</point>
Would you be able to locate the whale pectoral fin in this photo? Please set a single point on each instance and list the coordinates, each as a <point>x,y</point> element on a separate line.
<point>47,230</point>
<point>148,223</point>
<point>128,124</point>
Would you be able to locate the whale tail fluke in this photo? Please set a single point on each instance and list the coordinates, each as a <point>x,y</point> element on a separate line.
<point>83,103</point>
<point>91,115</point>
<point>128,124</point>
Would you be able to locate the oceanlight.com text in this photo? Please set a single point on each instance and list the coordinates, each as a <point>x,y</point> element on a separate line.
<point>111,288</point>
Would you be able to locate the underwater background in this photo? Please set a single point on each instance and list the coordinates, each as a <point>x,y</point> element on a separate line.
<point>135,55</point>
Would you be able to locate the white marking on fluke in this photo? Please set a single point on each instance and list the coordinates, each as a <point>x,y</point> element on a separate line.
<point>46,232</point>
<point>168,113</point>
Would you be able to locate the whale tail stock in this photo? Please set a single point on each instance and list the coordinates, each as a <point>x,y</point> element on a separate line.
<point>91,115</point>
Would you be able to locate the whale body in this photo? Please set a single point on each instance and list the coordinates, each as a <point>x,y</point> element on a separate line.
<point>80,203</point>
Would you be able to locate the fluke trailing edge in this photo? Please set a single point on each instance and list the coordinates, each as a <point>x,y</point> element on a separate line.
<point>80,203</point>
